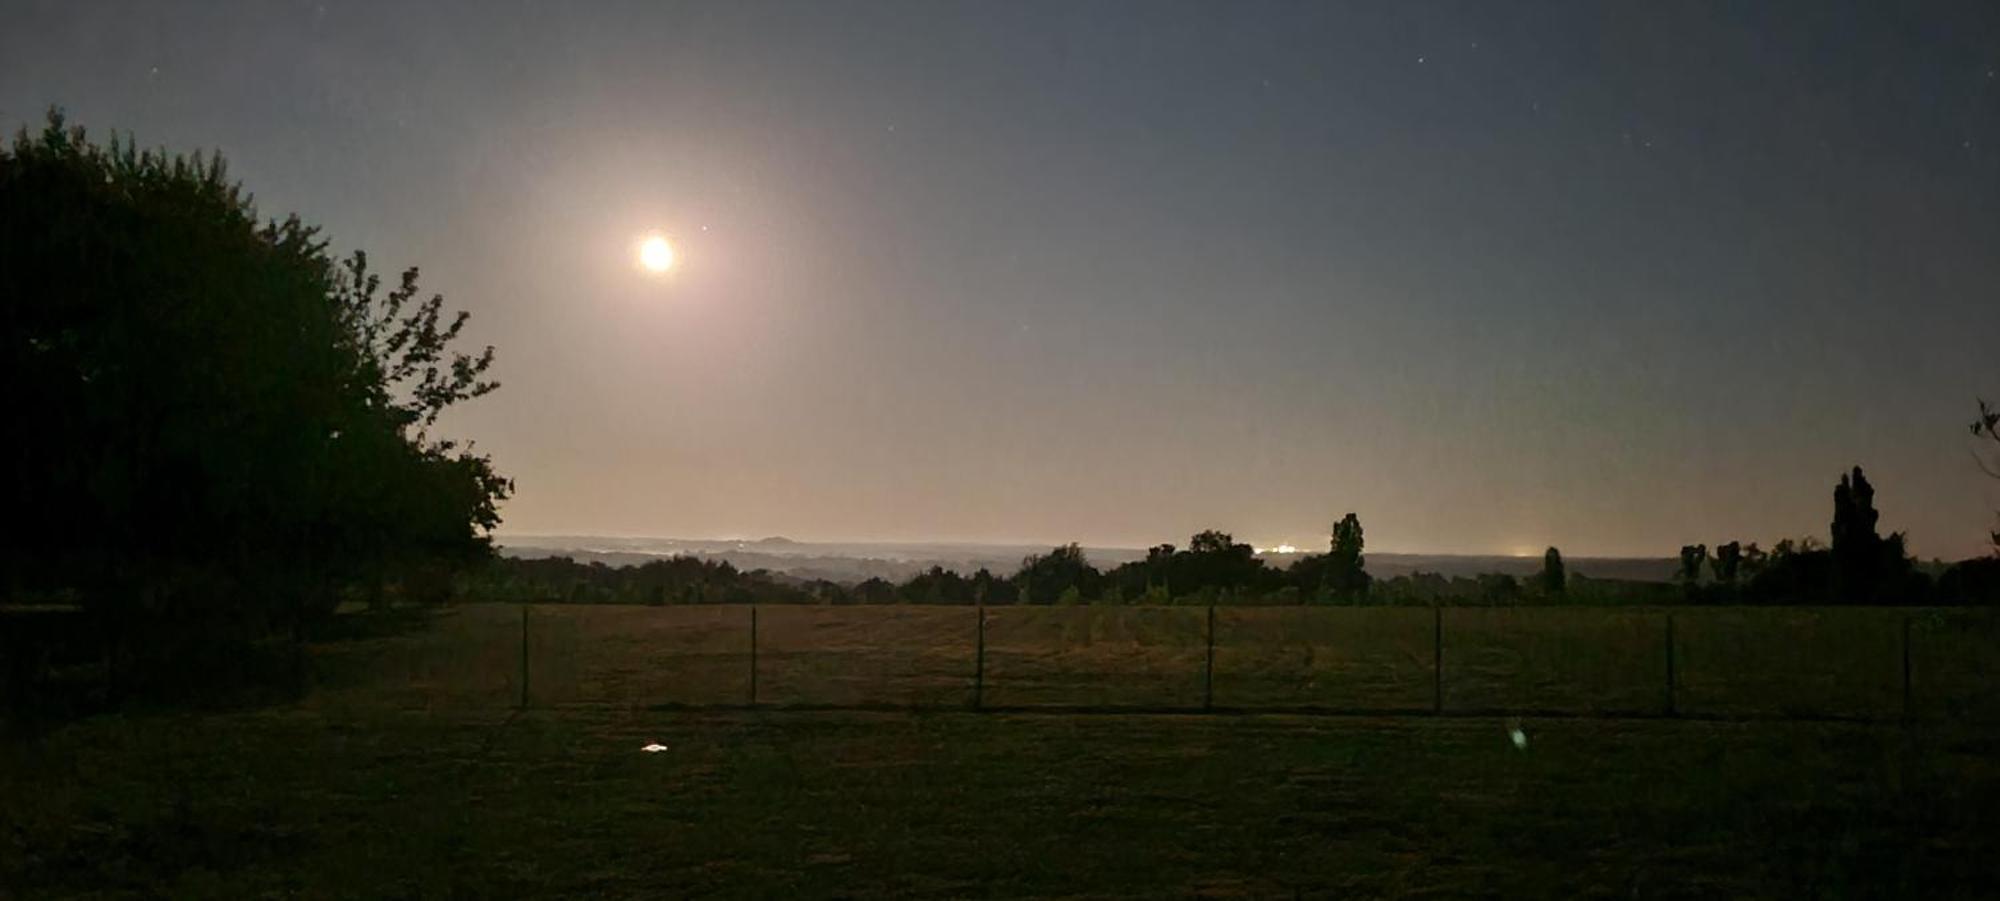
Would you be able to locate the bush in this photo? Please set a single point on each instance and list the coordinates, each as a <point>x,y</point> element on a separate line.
<point>1975,581</point>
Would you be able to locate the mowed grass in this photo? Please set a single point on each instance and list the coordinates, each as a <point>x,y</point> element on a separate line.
<point>1778,662</point>
<point>405,773</point>
<point>310,802</point>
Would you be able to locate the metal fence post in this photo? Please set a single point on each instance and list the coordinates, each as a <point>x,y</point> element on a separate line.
<point>1208,669</point>
<point>979,660</point>
<point>524,657</point>
<point>753,655</point>
<point>1671,708</point>
<point>1906,666</point>
<point>298,657</point>
<point>1437,658</point>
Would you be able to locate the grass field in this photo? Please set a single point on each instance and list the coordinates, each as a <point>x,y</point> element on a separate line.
<point>1805,662</point>
<point>404,774</point>
<point>759,804</point>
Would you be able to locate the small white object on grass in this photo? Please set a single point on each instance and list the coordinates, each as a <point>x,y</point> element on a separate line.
<point>654,748</point>
<point>1520,738</point>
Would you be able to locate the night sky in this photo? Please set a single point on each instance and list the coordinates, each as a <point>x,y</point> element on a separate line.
<point>1614,277</point>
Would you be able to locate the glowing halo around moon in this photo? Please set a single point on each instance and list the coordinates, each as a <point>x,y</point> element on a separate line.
<point>655,254</point>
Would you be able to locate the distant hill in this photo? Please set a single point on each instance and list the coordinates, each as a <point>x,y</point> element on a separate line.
<point>896,561</point>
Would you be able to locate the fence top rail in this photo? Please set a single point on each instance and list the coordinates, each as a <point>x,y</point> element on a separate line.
<point>1695,609</point>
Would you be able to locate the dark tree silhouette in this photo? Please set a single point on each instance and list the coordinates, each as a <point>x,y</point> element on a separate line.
<point>1553,578</point>
<point>1499,588</point>
<point>1693,556</point>
<point>1138,580</point>
<point>990,589</point>
<point>1987,427</point>
<point>1211,542</point>
<point>936,586</point>
<point>1859,567</point>
<point>1857,549</point>
<point>1975,581</point>
<point>1867,568</point>
<point>874,590</point>
<point>1798,572</point>
<point>1728,561</point>
<point>220,427</point>
<point>1214,560</point>
<point>1214,564</point>
<point>1346,579</point>
<point>1157,571</point>
<point>1044,578</point>
<point>1754,560</point>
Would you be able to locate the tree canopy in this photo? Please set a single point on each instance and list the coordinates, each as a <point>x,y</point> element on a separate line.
<point>222,423</point>
<point>1044,578</point>
<point>1987,429</point>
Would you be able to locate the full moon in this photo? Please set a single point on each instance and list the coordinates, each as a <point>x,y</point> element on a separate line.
<point>655,254</point>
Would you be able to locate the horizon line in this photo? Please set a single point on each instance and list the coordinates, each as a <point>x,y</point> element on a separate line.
<point>503,537</point>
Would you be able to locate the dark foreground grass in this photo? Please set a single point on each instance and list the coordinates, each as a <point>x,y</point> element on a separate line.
<point>306,803</point>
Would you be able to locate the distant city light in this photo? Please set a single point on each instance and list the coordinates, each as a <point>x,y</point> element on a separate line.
<point>1280,549</point>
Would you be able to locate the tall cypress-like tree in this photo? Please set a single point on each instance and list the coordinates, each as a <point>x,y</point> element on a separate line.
<point>1857,548</point>
<point>1346,576</point>
<point>1554,578</point>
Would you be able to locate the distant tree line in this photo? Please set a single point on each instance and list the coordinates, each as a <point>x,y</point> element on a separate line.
<point>1859,566</point>
<point>1213,568</point>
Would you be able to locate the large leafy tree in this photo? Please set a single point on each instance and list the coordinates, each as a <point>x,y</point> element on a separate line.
<point>1043,578</point>
<point>1217,560</point>
<point>219,425</point>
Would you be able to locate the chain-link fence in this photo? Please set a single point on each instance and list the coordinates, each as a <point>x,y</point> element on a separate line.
<point>1789,662</point>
